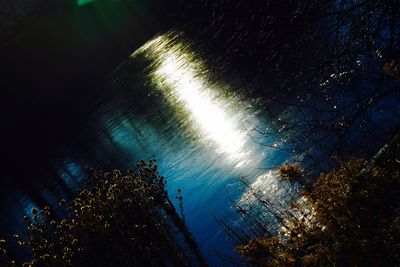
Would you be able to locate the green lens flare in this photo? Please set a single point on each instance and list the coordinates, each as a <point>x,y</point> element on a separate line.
<point>84,2</point>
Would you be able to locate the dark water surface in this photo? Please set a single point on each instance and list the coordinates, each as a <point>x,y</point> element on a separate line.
<point>164,103</point>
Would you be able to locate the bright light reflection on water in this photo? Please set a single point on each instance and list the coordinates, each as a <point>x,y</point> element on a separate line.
<point>182,78</point>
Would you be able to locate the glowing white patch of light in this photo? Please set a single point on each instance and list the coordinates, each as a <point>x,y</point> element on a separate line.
<point>265,184</point>
<point>179,72</point>
<point>213,120</point>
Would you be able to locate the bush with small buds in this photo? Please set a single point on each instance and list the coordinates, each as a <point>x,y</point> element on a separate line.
<point>119,220</point>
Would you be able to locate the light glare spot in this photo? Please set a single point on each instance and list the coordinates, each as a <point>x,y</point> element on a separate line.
<point>183,80</point>
<point>199,101</point>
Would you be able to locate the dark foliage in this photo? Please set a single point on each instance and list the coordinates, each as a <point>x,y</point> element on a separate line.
<point>349,217</point>
<point>119,220</point>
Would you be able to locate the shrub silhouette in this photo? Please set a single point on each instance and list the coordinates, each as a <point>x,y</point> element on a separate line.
<point>349,217</point>
<point>119,220</point>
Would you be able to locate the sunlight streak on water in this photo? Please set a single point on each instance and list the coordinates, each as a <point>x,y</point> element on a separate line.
<point>183,80</point>
<point>198,99</point>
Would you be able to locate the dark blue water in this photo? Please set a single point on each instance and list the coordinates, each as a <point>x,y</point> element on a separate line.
<point>164,103</point>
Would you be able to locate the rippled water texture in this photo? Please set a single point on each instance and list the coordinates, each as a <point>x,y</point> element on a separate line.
<point>164,103</point>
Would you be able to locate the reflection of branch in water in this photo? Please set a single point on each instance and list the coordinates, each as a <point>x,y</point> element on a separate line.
<point>203,171</point>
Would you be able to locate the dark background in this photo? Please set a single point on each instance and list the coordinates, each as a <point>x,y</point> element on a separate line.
<point>55,60</point>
